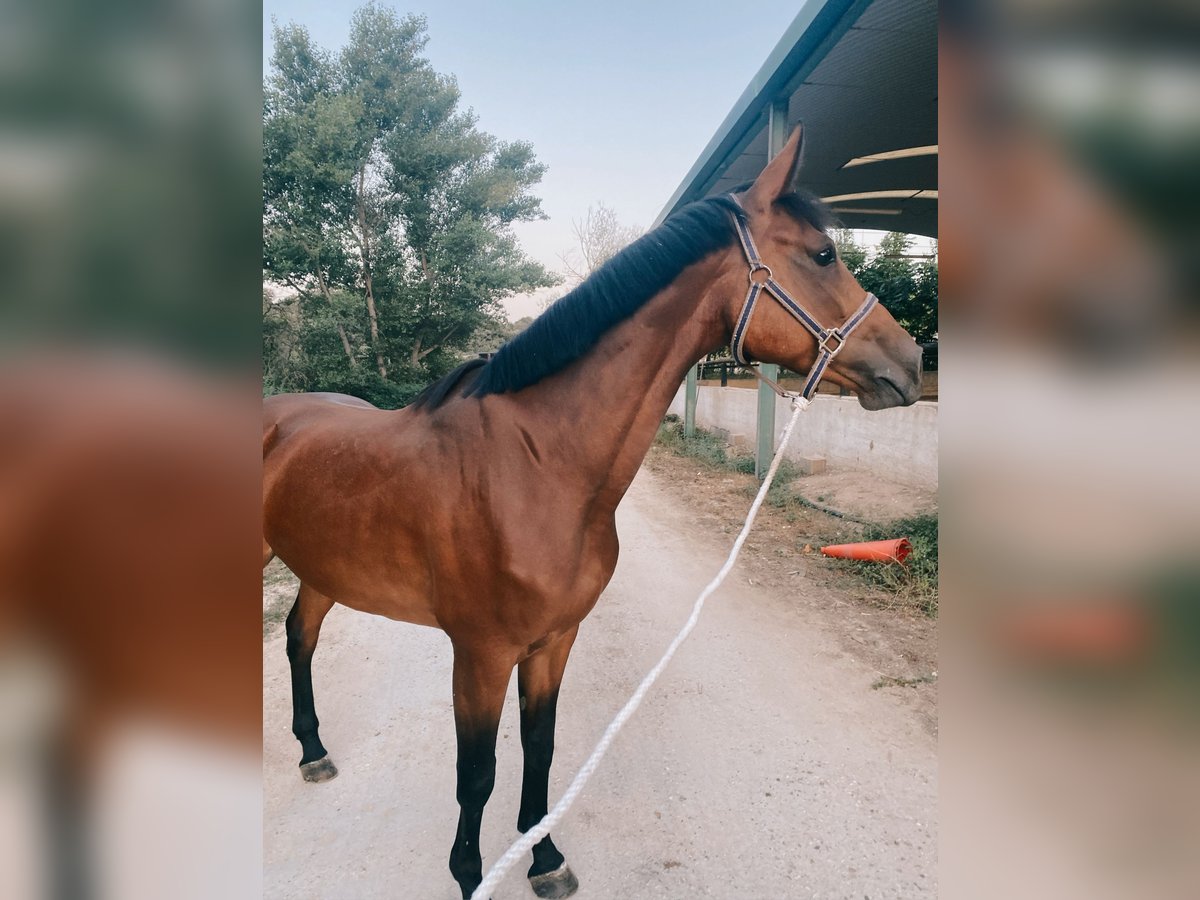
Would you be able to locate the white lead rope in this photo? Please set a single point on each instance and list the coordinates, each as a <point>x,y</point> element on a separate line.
<point>524,844</point>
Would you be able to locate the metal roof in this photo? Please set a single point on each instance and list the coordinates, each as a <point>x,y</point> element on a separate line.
<point>862,77</point>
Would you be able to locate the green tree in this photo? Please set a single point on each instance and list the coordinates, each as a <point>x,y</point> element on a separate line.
<point>491,337</point>
<point>854,256</point>
<point>907,287</point>
<point>386,211</point>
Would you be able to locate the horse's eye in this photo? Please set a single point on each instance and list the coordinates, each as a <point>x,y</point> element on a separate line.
<point>826,256</point>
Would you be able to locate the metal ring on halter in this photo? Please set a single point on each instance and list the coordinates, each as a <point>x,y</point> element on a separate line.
<point>823,344</point>
<point>760,267</point>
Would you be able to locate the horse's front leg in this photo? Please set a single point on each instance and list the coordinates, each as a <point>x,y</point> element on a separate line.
<point>538,679</point>
<point>480,681</point>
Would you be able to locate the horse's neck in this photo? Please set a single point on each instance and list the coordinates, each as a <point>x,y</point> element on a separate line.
<point>622,388</point>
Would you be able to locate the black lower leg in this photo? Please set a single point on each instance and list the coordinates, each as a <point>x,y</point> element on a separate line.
<point>480,680</point>
<point>476,778</point>
<point>537,740</point>
<point>303,629</point>
<point>539,677</point>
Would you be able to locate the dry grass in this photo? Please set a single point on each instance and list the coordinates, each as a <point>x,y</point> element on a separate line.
<point>912,585</point>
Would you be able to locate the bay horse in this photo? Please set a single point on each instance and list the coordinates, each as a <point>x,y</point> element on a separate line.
<point>486,508</point>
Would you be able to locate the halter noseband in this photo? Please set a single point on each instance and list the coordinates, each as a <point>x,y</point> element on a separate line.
<point>824,336</point>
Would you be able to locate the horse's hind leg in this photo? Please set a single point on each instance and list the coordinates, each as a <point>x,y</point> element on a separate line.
<point>538,680</point>
<point>303,629</point>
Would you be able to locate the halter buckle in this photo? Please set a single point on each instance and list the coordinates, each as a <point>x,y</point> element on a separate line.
<point>823,343</point>
<point>760,267</point>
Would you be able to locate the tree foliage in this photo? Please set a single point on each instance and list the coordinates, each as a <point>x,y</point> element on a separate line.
<point>387,212</point>
<point>908,287</point>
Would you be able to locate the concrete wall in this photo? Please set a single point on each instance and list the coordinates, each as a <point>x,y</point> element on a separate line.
<point>901,444</point>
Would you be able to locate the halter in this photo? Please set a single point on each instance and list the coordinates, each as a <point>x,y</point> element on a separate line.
<point>826,350</point>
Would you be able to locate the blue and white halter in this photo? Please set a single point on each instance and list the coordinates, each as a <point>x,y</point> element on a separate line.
<point>825,350</point>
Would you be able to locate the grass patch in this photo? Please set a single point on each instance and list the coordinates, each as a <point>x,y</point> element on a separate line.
<point>915,583</point>
<point>710,448</point>
<point>781,495</point>
<point>894,681</point>
<point>703,446</point>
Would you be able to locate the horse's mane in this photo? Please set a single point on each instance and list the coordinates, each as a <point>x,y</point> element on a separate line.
<point>574,324</point>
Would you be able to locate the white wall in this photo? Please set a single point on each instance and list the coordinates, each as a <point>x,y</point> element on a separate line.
<point>901,443</point>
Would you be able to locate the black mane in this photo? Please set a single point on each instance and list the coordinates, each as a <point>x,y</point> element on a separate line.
<point>574,324</point>
<point>802,205</point>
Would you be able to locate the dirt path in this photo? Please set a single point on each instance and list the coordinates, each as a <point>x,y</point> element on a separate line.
<point>763,764</point>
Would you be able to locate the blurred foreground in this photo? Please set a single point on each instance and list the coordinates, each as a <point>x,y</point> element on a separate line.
<point>130,710</point>
<point>129,326</point>
<point>1071,508</point>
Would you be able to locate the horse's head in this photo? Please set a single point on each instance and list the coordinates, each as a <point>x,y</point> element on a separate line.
<point>880,360</point>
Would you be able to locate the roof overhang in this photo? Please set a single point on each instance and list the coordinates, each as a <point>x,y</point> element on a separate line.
<point>862,77</point>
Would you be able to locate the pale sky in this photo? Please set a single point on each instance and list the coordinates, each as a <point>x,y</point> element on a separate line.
<point>618,98</point>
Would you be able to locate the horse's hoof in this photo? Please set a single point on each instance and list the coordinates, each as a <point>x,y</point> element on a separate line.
<point>555,885</point>
<point>319,770</point>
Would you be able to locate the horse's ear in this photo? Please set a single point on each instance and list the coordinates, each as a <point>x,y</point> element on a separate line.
<point>779,177</point>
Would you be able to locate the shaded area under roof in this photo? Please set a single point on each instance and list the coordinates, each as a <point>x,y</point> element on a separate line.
<point>862,77</point>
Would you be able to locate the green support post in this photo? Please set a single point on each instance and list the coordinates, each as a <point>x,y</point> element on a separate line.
<point>689,402</point>
<point>765,447</point>
<point>765,444</point>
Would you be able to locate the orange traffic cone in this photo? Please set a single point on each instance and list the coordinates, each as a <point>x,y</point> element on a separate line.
<point>872,551</point>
